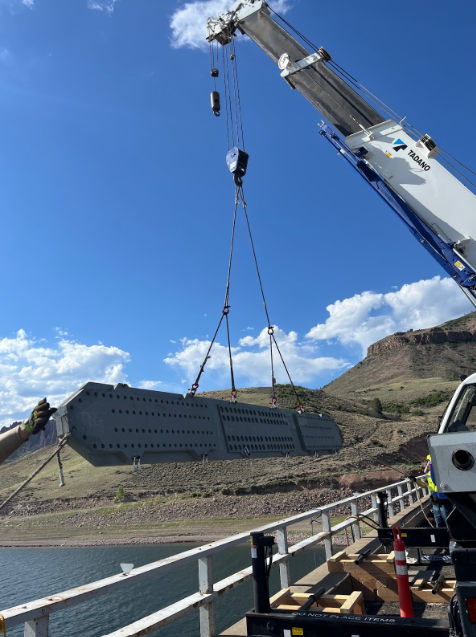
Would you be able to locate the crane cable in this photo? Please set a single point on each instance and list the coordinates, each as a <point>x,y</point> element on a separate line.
<point>272,337</point>
<point>224,315</point>
<point>234,126</point>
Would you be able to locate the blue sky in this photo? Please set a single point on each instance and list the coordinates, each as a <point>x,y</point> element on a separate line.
<point>117,204</point>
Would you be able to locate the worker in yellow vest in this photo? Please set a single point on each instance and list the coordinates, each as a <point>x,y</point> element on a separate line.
<point>441,505</point>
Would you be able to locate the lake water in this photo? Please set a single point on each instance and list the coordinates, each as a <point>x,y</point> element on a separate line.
<point>28,574</point>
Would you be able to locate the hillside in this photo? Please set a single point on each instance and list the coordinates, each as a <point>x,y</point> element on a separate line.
<point>413,374</point>
<point>418,368</point>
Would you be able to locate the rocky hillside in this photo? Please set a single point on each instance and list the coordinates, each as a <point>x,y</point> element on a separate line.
<point>411,374</point>
<point>413,364</point>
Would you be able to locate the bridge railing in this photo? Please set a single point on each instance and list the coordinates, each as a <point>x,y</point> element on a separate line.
<point>35,615</point>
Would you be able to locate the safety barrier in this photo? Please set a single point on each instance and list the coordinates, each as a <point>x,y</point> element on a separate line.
<point>35,615</point>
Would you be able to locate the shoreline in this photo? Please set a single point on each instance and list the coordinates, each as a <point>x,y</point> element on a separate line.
<point>111,541</point>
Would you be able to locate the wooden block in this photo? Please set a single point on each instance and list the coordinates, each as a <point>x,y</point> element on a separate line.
<point>353,604</point>
<point>287,592</point>
<point>443,597</point>
<point>333,563</point>
<point>371,581</point>
<point>386,595</point>
<point>337,557</point>
<point>419,584</point>
<point>423,592</point>
<point>374,566</point>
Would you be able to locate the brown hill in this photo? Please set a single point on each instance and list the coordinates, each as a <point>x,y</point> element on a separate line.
<point>413,374</point>
<point>414,364</point>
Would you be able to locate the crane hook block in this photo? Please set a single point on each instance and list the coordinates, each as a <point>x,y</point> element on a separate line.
<point>216,104</point>
<point>237,161</point>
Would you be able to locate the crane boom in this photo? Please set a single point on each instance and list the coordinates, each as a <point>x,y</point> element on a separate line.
<point>402,167</point>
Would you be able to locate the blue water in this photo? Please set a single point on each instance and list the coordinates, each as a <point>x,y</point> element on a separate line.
<point>28,574</point>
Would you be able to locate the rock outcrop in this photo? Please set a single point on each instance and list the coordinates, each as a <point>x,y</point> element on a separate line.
<point>432,336</point>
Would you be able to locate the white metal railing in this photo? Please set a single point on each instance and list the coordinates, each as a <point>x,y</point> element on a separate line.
<point>35,615</point>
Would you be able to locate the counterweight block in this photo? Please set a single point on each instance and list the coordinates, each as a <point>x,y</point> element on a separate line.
<point>112,425</point>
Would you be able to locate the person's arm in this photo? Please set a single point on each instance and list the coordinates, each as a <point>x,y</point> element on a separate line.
<point>12,440</point>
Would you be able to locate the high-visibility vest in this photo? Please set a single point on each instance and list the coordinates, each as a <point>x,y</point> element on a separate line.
<point>430,476</point>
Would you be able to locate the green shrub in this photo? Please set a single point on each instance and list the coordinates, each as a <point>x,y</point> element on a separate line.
<point>418,412</point>
<point>433,399</point>
<point>377,406</point>
<point>119,495</point>
<point>397,408</point>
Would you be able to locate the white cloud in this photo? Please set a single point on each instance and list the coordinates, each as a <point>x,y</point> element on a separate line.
<point>102,5</point>
<point>251,360</point>
<point>188,23</point>
<point>368,317</point>
<point>150,384</point>
<point>29,370</point>
<point>28,3</point>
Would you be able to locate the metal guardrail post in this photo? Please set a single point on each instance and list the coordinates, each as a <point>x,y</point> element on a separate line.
<point>326,526</point>
<point>391,509</point>
<point>37,627</point>
<point>400,495</point>
<point>284,567</point>
<point>354,509</point>
<point>374,506</point>
<point>411,497</point>
<point>205,586</point>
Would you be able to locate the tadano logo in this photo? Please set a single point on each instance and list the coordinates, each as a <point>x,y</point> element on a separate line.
<point>399,145</point>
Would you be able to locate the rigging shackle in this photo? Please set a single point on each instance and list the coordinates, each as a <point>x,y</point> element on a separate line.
<point>193,389</point>
<point>216,103</point>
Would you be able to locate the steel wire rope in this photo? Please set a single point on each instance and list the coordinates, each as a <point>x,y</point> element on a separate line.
<point>459,171</point>
<point>224,314</point>
<point>225,85</point>
<point>236,86</point>
<point>228,79</point>
<point>212,64</point>
<point>226,82</point>
<point>238,124</point>
<point>270,327</point>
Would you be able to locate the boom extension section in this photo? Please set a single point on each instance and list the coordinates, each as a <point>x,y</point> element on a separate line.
<point>336,100</point>
<point>436,207</point>
<point>115,425</point>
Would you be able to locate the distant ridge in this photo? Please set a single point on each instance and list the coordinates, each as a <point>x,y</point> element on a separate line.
<point>444,352</point>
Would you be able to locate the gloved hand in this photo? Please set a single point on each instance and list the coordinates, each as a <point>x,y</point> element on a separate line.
<point>417,481</point>
<point>39,417</point>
